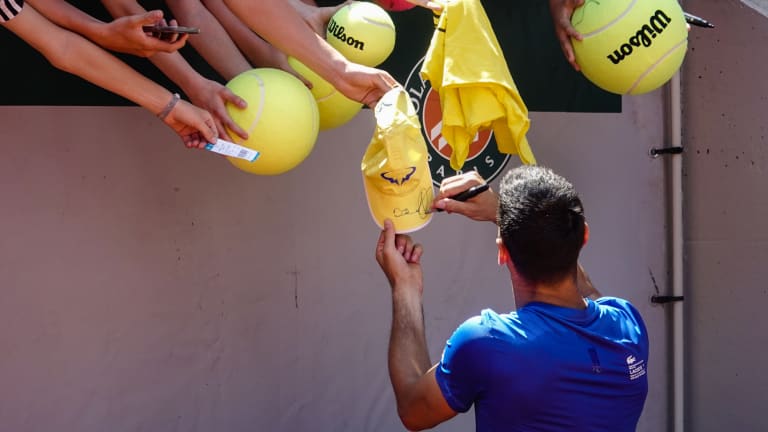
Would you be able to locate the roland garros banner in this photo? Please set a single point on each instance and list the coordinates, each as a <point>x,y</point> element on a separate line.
<point>544,78</point>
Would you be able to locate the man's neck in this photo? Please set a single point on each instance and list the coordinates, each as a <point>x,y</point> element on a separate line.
<point>562,293</point>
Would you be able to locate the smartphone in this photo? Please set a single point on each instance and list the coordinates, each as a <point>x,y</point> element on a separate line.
<point>171,29</point>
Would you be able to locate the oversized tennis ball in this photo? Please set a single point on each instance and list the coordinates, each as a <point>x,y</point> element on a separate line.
<point>630,46</point>
<point>363,32</point>
<point>281,120</point>
<point>395,5</point>
<point>334,108</point>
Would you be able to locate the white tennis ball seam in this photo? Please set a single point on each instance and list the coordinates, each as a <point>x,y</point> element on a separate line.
<point>610,23</point>
<point>363,8</point>
<point>656,63</point>
<point>262,98</point>
<point>385,25</point>
<point>326,97</point>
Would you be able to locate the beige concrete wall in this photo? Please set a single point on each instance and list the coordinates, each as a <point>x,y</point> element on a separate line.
<point>726,207</point>
<point>146,287</point>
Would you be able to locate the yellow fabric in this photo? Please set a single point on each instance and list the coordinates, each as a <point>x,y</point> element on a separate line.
<point>396,176</point>
<point>466,66</point>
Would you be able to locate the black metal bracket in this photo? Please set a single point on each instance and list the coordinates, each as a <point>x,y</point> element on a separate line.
<point>656,152</point>
<point>666,299</point>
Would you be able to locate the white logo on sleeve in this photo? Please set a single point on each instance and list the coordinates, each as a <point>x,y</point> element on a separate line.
<point>636,368</point>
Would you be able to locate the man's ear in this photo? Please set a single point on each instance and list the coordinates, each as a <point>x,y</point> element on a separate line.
<point>586,234</point>
<point>503,252</point>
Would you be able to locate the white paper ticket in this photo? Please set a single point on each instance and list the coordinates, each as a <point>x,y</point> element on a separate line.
<point>231,149</point>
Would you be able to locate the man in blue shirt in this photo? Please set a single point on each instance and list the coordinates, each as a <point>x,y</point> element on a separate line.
<point>559,362</point>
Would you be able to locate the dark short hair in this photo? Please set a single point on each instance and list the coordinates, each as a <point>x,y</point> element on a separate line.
<point>541,221</point>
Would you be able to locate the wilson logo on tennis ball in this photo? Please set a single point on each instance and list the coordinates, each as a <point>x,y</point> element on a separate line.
<point>362,32</point>
<point>644,37</point>
<point>337,31</point>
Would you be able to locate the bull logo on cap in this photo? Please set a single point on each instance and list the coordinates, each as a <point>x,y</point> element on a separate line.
<point>399,177</point>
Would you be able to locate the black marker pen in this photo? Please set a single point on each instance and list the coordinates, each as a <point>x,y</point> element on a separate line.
<point>469,193</point>
<point>694,20</point>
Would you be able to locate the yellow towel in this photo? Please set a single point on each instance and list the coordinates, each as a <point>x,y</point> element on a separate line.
<point>466,66</point>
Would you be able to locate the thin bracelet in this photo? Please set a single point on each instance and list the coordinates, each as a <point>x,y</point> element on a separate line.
<point>168,108</point>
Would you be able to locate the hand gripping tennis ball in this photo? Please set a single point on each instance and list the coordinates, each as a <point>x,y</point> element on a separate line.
<point>630,46</point>
<point>395,5</point>
<point>363,32</point>
<point>281,120</point>
<point>334,108</point>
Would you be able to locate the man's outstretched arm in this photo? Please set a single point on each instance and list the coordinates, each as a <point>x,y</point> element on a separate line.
<point>420,403</point>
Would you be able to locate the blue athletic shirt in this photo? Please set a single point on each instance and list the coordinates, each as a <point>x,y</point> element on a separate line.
<point>549,368</point>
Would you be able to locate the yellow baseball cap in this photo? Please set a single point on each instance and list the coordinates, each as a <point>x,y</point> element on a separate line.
<point>396,176</point>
